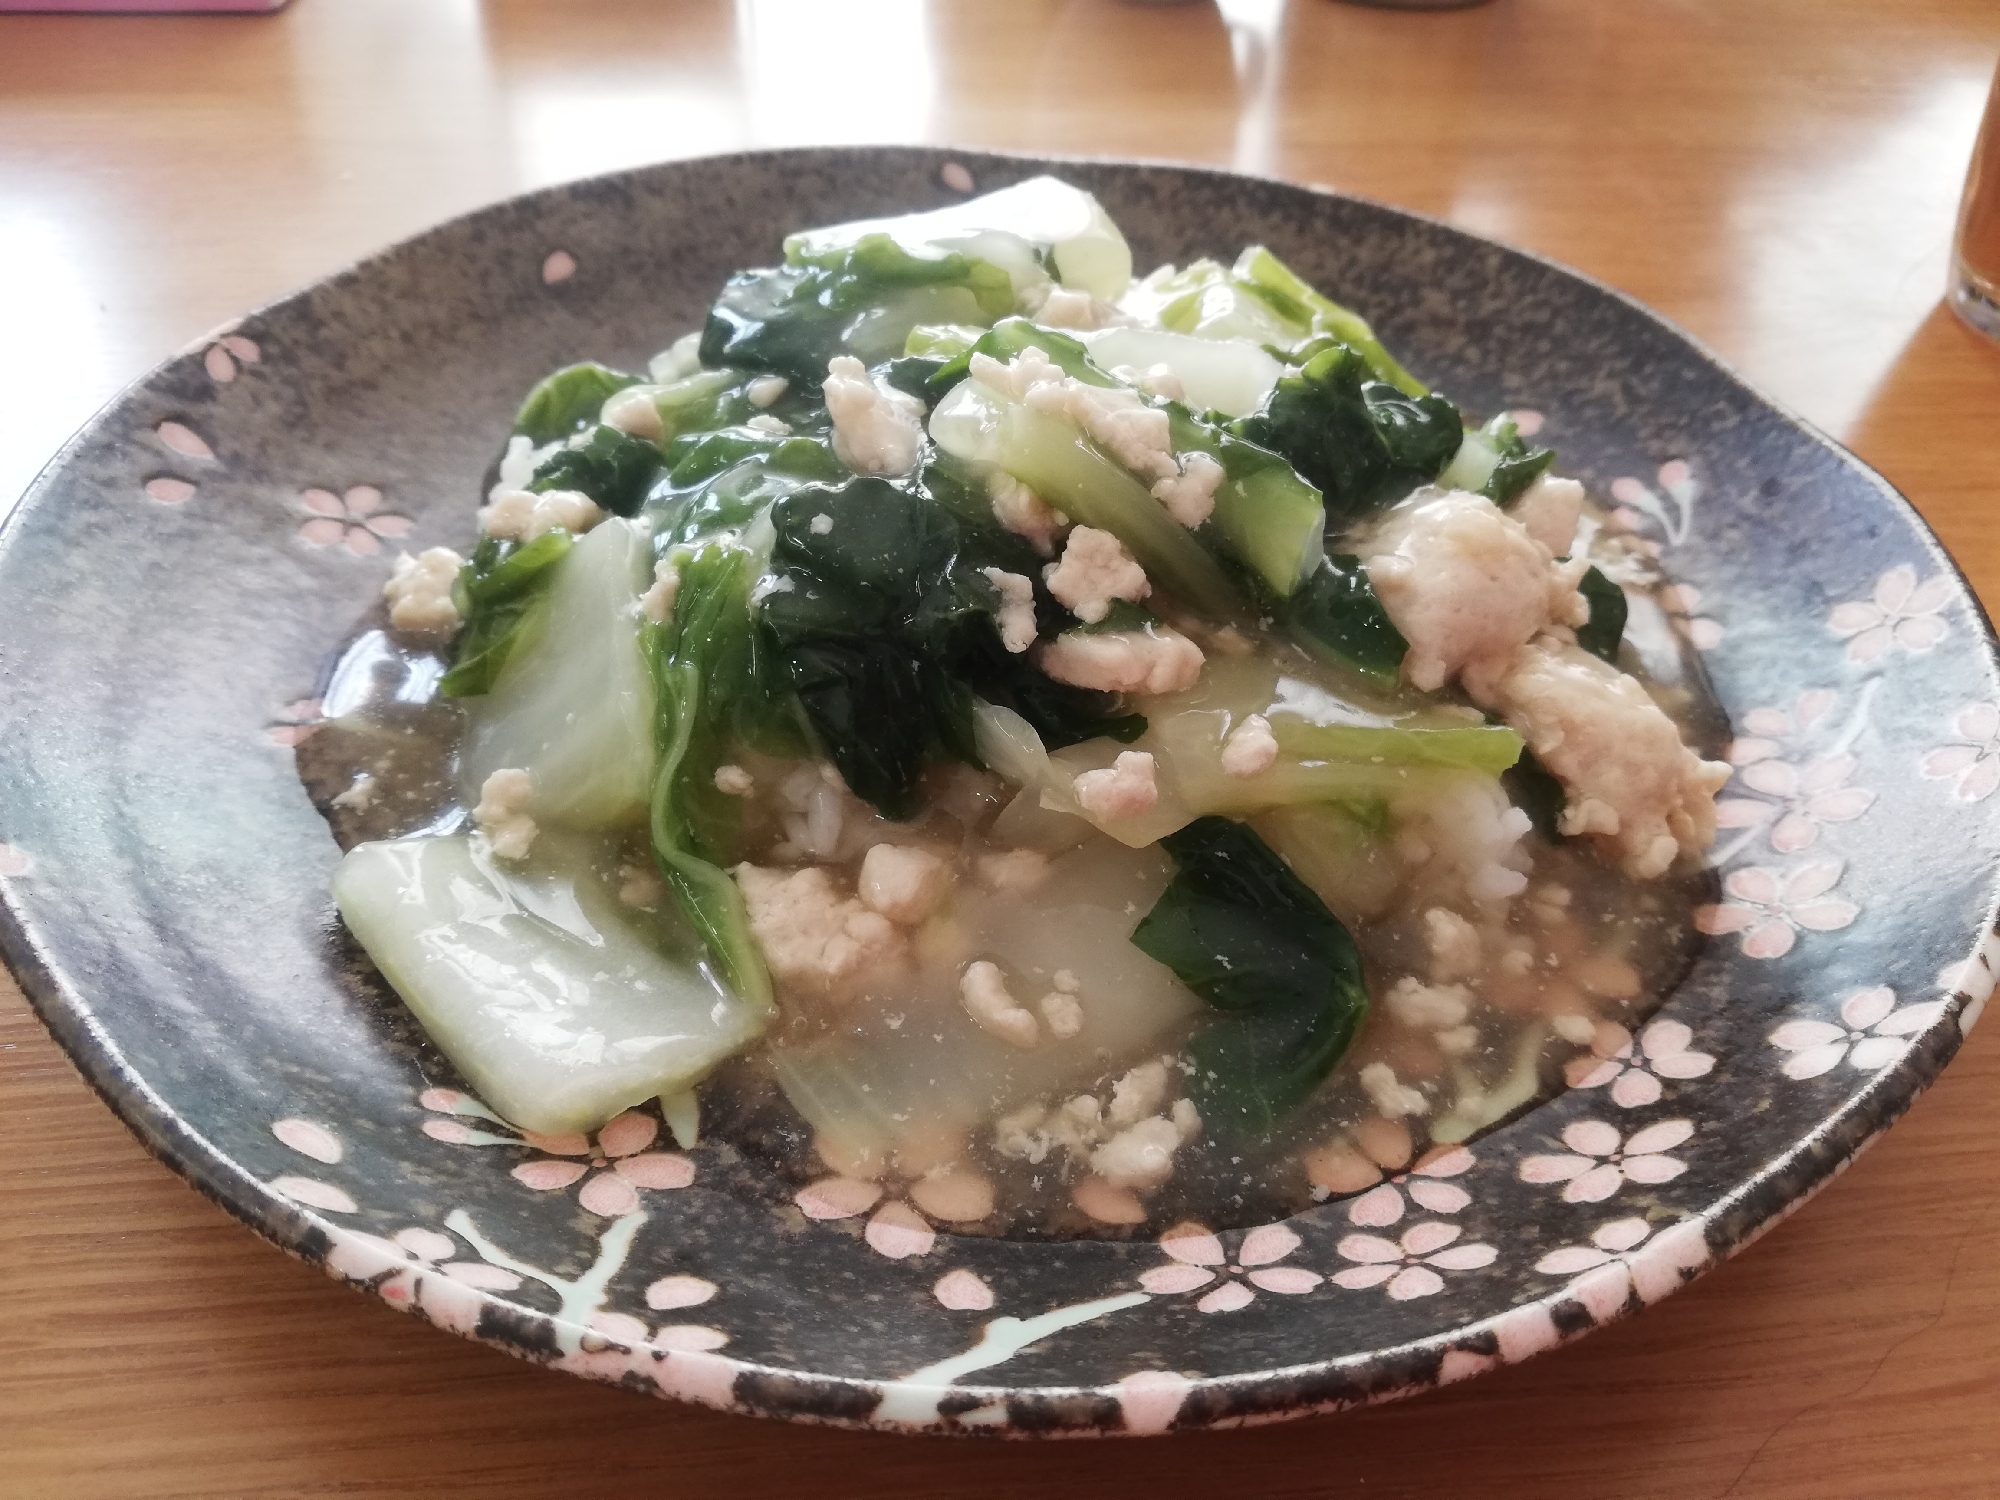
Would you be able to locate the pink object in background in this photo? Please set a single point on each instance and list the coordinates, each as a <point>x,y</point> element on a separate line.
<point>137,7</point>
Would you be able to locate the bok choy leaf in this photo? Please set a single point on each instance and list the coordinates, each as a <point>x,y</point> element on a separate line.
<point>1254,941</point>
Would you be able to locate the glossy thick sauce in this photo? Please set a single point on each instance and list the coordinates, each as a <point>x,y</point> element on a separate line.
<point>895,1086</point>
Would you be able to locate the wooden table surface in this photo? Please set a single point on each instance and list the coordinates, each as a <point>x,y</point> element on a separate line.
<point>1779,176</point>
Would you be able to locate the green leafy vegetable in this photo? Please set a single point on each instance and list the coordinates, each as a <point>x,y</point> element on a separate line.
<point>614,468</point>
<point>885,627</point>
<point>568,401</point>
<point>862,299</point>
<point>1254,941</point>
<point>1266,517</point>
<point>1290,293</point>
<point>917,375</point>
<point>1517,465</point>
<point>709,675</point>
<point>721,480</point>
<point>1362,442</point>
<point>1336,610</point>
<point>1601,636</point>
<point>1534,789</point>
<point>497,593</point>
<point>844,613</point>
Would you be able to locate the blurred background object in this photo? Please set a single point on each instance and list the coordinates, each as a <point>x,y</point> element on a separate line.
<point>1975,271</point>
<point>139,7</point>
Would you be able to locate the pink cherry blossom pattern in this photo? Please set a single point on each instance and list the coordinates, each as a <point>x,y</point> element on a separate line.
<point>559,266</point>
<point>1634,1069</point>
<point>1802,800</point>
<point>1900,613</point>
<point>1151,1399</point>
<point>1422,1186</point>
<point>1197,1257</point>
<point>178,437</point>
<point>413,1269</point>
<point>963,1291</point>
<point>1672,512</point>
<point>295,723</point>
<point>899,1229</point>
<point>1771,908</point>
<point>957,176</point>
<point>1408,1267</point>
<point>226,354</point>
<point>309,1138</point>
<point>354,520</point>
<point>1872,1033</point>
<point>679,1291</point>
<point>168,489</point>
<point>15,864</point>
<point>1625,1258</point>
<point>613,1166</point>
<point>1972,765</point>
<point>1600,1160</point>
<point>1765,727</point>
<point>1971,977</point>
<point>617,1344</point>
<point>1681,603</point>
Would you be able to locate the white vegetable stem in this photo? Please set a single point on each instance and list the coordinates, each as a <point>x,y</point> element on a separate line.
<point>573,707</point>
<point>554,1000</point>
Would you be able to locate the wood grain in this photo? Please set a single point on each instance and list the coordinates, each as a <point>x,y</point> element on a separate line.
<point>1780,178</point>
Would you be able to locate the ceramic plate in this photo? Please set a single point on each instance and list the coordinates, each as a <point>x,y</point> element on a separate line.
<point>174,583</point>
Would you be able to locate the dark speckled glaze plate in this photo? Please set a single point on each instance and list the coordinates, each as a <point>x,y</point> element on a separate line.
<point>173,583</point>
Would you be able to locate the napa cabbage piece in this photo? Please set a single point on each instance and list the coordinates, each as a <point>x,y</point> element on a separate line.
<point>1331,749</point>
<point>559,1004</point>
<point>1255,942</point>
<point>1022,229</point>
<point>1267,519</point>
<point>717,690</point>
<point>502,596</point>
<point>908,1063</point>
<point>1051,455</point>
<point>1229,376</point>
<point>573,706</point>
<point>1259,300</point>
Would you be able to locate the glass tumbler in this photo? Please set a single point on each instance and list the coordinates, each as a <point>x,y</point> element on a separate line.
<point>1975,266</point>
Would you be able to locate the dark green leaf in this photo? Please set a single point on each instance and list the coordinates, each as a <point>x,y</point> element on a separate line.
<point>614,468</point>
<point>498,593</point>
<point>1362,442</point>
<point>886,630</point>
<point>1519,465</point>
<point>1601,636</point>
<point>1254,941</point>
<point>862,299</point>
<point>1335,609</point>
<point>1530,787</point>
<point>568,401</point>
<point>913,374</point>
